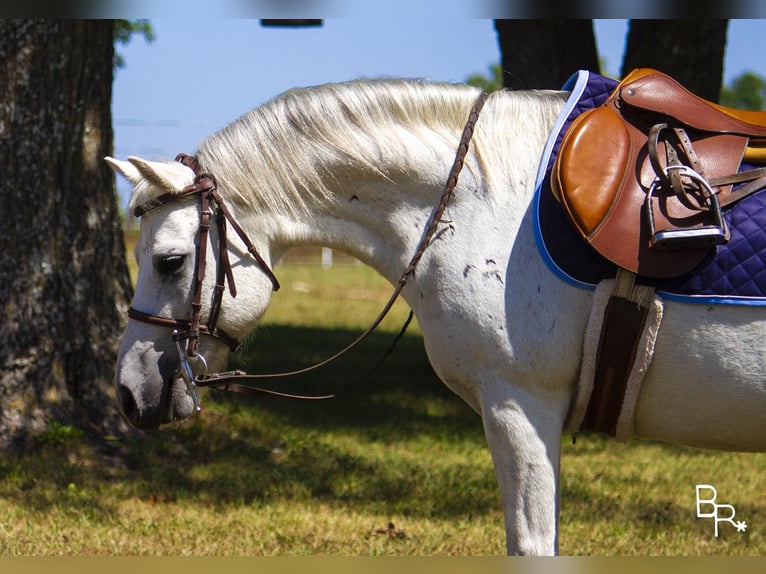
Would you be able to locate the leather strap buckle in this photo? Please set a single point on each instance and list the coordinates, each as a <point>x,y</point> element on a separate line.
<point>703,236</point>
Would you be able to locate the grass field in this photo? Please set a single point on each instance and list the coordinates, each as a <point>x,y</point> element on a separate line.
<point>398,466</point>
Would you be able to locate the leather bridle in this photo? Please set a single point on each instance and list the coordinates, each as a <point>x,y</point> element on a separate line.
<point>205,186</point>
<point>190,330</point>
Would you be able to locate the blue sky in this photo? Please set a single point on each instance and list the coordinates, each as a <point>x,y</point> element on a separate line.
<point>200,74</point>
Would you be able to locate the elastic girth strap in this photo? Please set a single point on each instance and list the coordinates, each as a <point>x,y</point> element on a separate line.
<point>624,320</point>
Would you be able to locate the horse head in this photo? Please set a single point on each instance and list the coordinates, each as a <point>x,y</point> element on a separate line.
<point>160,354</point>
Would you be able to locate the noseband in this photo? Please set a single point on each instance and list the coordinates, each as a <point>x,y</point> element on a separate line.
<point>205,186</point>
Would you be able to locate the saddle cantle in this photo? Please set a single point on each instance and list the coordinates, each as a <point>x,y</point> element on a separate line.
<point>645,176</point>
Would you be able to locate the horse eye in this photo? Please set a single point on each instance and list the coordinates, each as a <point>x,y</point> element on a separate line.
<point>169,264</point>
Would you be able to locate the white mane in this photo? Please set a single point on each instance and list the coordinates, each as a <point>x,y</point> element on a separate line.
<point>268,157</point>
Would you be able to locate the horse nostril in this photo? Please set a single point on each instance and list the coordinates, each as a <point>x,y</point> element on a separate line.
<point>128,405</point>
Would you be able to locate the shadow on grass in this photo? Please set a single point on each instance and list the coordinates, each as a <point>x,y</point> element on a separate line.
<point>375,449</point>
<point>402,394</point>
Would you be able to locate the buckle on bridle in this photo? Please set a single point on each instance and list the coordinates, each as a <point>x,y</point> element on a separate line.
<point>185,369</point>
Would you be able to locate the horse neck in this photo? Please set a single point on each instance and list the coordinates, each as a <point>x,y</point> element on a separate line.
<point>376,215</point>
<point>377,211</point>
<point>376,220</point>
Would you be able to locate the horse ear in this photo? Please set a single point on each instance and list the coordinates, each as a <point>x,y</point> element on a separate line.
<point>125,169</point>
<point>167,176</point>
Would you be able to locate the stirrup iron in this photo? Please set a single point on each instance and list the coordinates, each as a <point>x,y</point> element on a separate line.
<point>701,237</point>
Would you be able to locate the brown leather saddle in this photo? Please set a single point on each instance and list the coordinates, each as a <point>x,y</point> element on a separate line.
<point>645,179</point>
<point>646,176</point>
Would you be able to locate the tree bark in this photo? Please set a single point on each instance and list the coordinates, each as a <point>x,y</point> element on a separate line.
<point>543,54</point>
<point>689,50</point>
<point>64,282</point>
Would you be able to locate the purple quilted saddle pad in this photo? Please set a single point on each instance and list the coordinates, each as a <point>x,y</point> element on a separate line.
<point>733,273</point>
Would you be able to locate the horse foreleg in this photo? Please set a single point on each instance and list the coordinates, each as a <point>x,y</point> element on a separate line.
<point>524,437</point>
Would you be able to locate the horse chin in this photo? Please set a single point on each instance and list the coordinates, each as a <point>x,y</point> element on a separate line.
<point>180,405</point>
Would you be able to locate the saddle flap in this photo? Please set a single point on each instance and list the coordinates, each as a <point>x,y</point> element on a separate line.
<point>591,167</point>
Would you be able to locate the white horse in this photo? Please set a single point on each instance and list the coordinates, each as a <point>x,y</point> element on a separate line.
<point>359,167</point>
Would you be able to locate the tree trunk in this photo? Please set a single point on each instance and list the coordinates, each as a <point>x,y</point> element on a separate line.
<point>64,282</point>
<point>689,50</point>
<point>543,54</point>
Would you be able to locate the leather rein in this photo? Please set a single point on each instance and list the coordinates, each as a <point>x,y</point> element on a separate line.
<point>190,330</point>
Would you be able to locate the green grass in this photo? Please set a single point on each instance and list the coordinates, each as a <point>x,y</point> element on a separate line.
<point>264,477</point>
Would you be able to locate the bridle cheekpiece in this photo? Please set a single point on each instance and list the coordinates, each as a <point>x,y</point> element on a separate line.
<point>189,330</point>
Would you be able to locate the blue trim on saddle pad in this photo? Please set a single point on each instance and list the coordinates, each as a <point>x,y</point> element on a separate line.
<point>734,273</point>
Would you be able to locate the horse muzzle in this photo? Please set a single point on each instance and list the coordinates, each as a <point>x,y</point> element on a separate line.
<point>156,388</point>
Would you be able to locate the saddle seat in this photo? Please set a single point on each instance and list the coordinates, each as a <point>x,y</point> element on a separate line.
<point>644,177</point>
